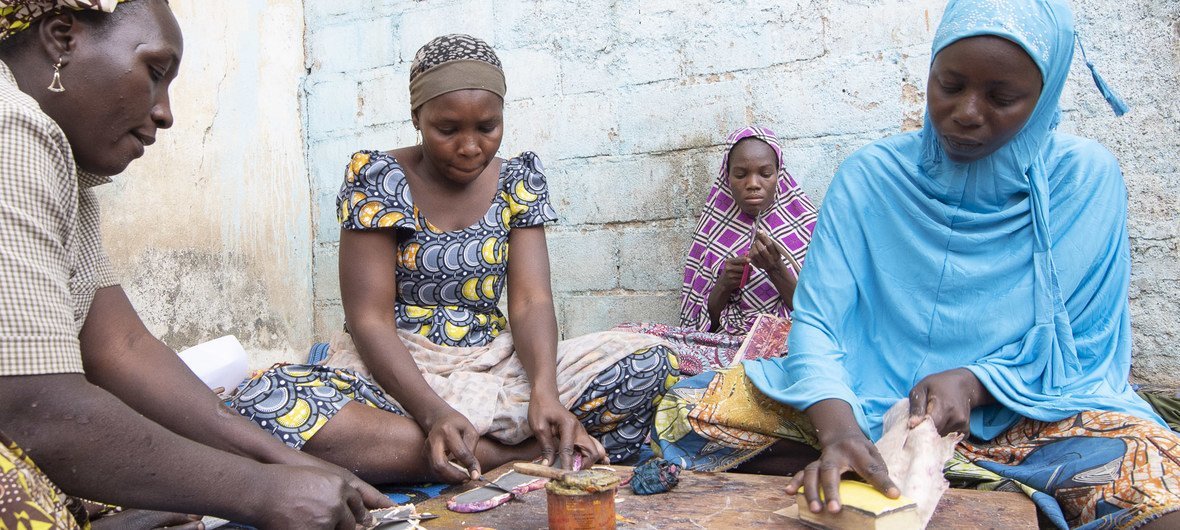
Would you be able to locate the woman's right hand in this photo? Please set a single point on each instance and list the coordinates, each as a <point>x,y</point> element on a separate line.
<point>450,437</point>
<point>731,273</point>
<point>305,497</point>
<point>852,452</point>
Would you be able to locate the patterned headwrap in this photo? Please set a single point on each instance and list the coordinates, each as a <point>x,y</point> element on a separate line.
<point>454,62</point>
<point>18,15</point>
<point>725,231</point>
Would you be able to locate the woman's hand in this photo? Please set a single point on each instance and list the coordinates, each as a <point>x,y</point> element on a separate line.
<point>770,256</point>
<point>948,398</point>
<point>304,497</point>
<point>372,498</point>
<point>731,274</point>
<point>843,448</point>
<point>850,452</point>
<point>728,280</point>
<point>766,255</point>
<point>534,330</point>
<point>450,437</point>
<point>560,433</point>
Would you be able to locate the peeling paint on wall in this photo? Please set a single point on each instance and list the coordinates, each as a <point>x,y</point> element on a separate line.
<point>211,231</point>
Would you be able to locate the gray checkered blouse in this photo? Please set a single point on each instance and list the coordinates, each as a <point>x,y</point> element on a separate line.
<point>51,255</point>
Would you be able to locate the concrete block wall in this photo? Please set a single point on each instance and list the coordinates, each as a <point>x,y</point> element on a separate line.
<point>627,102</point>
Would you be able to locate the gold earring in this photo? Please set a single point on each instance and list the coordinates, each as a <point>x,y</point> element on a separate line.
<point>55,85</point>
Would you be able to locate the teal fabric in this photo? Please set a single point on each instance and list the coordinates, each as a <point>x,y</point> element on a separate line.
<point>1015,266</point>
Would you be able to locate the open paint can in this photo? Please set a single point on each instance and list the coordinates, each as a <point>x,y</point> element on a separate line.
<point>584,500</point>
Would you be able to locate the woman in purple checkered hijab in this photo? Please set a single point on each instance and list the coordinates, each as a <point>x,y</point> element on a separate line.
<point>755,223</point>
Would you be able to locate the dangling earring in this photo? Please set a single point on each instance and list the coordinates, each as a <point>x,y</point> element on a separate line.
<point>55,86</point>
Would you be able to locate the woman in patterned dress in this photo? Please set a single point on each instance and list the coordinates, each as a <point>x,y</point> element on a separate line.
<point>424,260</point>
<point>737,267</point>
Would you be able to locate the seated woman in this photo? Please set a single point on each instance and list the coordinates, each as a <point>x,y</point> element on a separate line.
<point>980,268</point>
<point>431,235</point>
<point>108,411</point>
<point>755,223</point>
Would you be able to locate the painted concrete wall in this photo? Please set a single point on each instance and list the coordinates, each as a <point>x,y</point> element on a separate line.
<point>211,231</point>
<point>628,101</point>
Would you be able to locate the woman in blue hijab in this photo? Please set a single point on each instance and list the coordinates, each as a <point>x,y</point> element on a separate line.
<point>980,267</point>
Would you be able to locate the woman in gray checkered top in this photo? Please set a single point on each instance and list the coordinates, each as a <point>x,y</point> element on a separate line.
<point>109,412</point>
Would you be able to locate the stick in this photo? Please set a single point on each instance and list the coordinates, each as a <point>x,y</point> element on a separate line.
<point>748,267</point>
<point>470,472</point>
<point>790,258</point>
<point>537,470</point>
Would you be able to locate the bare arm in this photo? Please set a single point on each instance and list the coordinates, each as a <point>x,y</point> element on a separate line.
<point>534,332</point>
<point>784,283</point>
<point>530,303</point>
<point>727,282</point>
<point>368,286</point>
<point>86,440</point>
<point>121,356</point>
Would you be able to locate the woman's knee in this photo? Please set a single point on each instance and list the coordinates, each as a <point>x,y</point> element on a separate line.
<point>281,403</point>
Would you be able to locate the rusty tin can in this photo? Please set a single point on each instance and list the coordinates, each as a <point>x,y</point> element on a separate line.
<point>585,501</point>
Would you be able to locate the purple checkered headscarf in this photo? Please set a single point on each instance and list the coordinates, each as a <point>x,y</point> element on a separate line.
<point>725,231</point>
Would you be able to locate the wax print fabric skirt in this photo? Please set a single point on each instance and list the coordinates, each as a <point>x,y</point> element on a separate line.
<point>29,500</point>
<point>1094,470</point>
<point>611,381</point>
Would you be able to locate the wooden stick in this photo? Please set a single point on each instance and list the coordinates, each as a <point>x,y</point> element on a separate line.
<point>538,470</point>
<point>790,258</point>
<point>470,472</point>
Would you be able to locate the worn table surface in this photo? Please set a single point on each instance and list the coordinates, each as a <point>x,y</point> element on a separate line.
<point>728,500</point>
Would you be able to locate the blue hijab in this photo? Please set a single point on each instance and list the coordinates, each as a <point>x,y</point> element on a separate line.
<point>1015,266</point>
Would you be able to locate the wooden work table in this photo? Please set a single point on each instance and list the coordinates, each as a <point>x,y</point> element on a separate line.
<point>726,501</point>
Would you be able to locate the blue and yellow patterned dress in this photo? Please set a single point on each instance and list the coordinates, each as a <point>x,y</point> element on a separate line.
<point>448,286</point>
<point>448,283</point>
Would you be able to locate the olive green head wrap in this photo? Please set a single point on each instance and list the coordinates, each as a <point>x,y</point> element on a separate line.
<point>454,62</point>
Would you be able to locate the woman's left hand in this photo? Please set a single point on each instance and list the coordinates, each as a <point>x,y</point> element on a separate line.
<point>948,398</point>
<point>560,432</point>
<point>765,255</point>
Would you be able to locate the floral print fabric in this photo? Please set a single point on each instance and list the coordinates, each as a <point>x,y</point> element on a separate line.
<point>29,500</point>
<point>1095,470</point>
